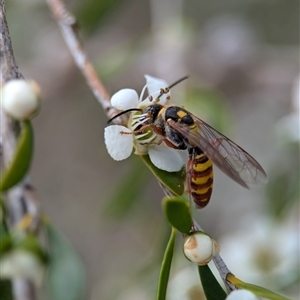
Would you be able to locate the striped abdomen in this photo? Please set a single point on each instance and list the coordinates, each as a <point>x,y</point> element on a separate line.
<point>200,177</point>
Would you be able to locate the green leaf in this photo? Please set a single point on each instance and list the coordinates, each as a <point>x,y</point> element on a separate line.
<point>255,289</point>
<point>6,242</point>
<point>3,225</point>
<point>66,276</point>
<point>211,287</point>
<point>165,268</point>
<point>21,160</point>
<point>32,244</point>
<point>177,211</point>
<point>174,181</point>
<point>6,290</point>
<point>127,190</point>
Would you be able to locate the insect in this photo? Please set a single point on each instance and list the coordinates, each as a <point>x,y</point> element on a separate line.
<point>206,146</point>
<point>180,129</point>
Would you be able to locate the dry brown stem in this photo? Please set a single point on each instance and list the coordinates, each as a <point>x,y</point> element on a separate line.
<point>69,29</point>
<point>21,199</point>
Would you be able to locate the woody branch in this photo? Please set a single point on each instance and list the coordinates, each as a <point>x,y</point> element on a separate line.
<point>21,199</point>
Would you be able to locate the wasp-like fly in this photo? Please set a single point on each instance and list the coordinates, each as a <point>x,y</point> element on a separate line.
<point>182,130</point>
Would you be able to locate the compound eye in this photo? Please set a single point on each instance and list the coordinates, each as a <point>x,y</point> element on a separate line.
<point>146,110</point>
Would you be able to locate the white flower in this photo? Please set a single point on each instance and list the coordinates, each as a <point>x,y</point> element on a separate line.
<point>241,295</point>
<point>265,254</point>
<point>120,140</point>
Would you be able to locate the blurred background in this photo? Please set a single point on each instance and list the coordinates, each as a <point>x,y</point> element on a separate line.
<point>243,61</point>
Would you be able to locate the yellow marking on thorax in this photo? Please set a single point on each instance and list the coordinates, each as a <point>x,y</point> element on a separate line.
<point>162,112</point>
<point>181,114</point>
<point>193,127</point>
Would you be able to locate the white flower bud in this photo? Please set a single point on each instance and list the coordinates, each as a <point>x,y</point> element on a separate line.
<point>21,98</point>
<point>200,248</point>
<point>242,295</point>
<point>21,264</point>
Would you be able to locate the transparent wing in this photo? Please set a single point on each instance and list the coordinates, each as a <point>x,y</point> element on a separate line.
<point>226,155</point>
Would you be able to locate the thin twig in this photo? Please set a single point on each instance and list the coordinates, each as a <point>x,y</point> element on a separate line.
<point>69,29</point>
<point>21,199</point>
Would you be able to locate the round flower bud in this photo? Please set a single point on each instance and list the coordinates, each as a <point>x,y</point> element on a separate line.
<point>200,248</point>
<point>21,98</point>
<point>21,264</point>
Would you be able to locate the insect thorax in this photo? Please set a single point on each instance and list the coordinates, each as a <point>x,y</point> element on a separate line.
<point>179,115</point>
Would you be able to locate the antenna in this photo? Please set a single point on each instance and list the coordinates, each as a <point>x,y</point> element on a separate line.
<point>173,84</point>
<point>122,113</point>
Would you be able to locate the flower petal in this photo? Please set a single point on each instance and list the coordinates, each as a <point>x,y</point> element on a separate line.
<point>119,141</point>
<point>165,158</point>
<point>125,99</point>
<point>155,84</point>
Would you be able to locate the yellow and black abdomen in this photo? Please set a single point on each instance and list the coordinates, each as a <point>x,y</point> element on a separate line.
<point>200,177</point>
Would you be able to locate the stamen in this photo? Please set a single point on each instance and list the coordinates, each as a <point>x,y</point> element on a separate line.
<point>141,135</point>
<point>139,116</point>
<point>148,141</point>
<point>142,93</point>
<point>145,141</point>
<point>137,124</point>
<point>141,120</point>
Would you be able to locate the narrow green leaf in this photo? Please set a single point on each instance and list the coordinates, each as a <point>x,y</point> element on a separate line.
<point>174,181</point>
<point>5,245</point>
<point>21,159</point>
<point>3,210</point>
<point>211,287</point>
<point>3,225</point>
<point>6,242</point>
<point>66,276</point>
<point>6,290</point>
<point>32,244</point>
<point>177,211</point>
<point>165,268</point>
<point>257,290</point>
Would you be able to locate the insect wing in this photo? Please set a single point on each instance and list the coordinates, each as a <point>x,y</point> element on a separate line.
<point>226,155</point>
